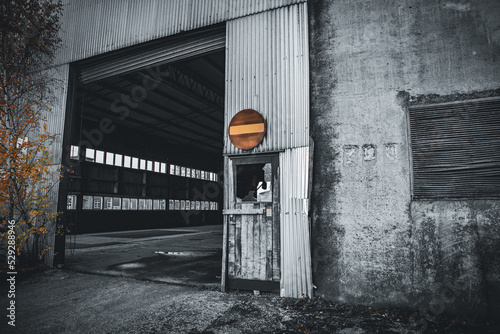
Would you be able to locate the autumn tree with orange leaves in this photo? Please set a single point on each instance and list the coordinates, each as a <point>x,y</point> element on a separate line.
<point>29,39</point>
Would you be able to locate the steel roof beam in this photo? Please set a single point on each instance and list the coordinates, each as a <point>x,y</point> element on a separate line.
<point>189,86</point>
<point>183,103</point>
<point>167,121</point>
<point>152,126</point>
<point>163,133</point>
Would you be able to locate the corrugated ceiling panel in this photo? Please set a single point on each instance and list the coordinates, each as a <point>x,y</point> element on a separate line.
<point>157,52</point>
<point>93,27</point>
<point>267,69</point>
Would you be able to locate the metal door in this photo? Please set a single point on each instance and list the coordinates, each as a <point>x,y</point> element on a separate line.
<point>252,222</point>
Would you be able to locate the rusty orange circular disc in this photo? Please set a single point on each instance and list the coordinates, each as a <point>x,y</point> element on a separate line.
<point>247,129</point>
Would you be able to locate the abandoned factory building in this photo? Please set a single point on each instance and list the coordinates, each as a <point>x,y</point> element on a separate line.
<point>349,149</point>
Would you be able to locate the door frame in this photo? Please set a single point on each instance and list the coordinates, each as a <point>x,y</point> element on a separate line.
<point>229,208</point>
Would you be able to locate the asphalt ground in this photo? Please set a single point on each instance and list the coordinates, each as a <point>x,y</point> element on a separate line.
<point>188,256</point>
<point>168,282</point>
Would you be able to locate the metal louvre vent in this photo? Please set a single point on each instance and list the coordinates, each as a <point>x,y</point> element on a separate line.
<point>153,53</point>
<point>456,150</point>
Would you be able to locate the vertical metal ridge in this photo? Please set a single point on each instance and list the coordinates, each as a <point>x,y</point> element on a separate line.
<point>296,278</point>
<point>267,56</point>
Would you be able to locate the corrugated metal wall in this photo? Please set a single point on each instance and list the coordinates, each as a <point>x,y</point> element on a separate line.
<point>267,69</point>
<point>55,125</point>
<point>92,27</point>
<point>296,274</point>
<point>55,118</point>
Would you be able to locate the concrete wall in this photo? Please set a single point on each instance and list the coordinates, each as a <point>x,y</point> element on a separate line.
<point>371,243</point>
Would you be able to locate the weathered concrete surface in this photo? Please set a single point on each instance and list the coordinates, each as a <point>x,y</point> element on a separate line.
<point>63,301</point>
<point>369,59</point>
<point>456,256</point>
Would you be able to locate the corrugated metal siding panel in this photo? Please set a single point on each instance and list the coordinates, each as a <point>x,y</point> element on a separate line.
<point>296,273</point>
<point>55,118</point>
<point>267,69</point>
<point>456,149</point>
<point>92,27</point>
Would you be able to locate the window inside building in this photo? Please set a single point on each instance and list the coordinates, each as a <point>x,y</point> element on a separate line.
<point>253,182</point>
<point>135,163</point>
<point>126,161</point>
<point>74,152</point>
<point>110,158</point>
<point>89,154</point>
<point>456,150</point>
<point>118,160</point>
<point>99,157</point>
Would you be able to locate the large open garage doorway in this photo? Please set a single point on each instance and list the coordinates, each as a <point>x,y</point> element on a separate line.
<point>143,192</point>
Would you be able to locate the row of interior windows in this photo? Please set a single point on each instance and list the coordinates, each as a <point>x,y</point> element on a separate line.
<point>119,160</point>
<point>118,203</point>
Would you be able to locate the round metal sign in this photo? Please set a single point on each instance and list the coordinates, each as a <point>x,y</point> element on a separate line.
<point>247,129</point>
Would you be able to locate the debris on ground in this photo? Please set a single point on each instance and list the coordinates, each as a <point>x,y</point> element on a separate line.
<point>320,316</point>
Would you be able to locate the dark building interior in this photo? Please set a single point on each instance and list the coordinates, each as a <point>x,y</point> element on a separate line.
<point>150,147</point>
